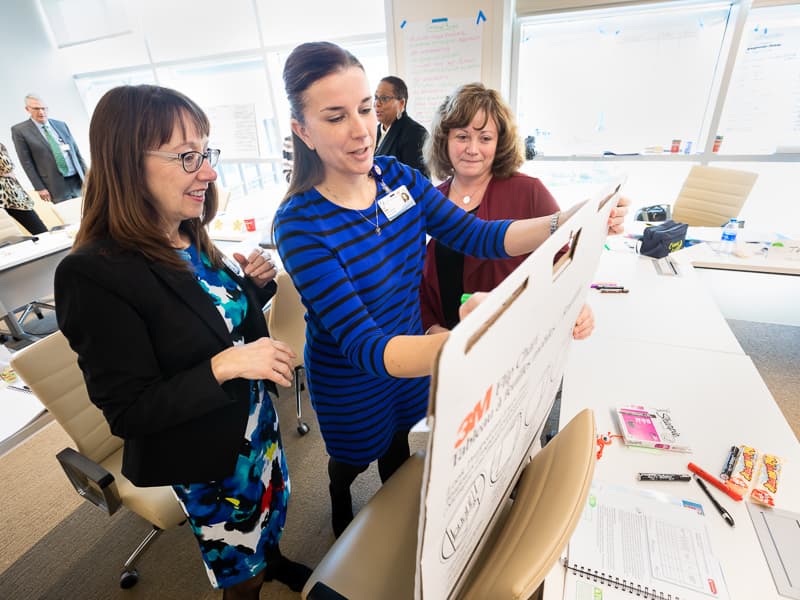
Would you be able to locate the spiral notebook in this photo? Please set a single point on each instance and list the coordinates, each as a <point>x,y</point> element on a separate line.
<point>632,544</point>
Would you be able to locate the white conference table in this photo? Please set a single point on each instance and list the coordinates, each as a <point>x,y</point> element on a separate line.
<point>719,399</point>
<point>19,408</point>
<point>783,260</point>
<point>669,309</point>
<point>686,360</point>
<point>26,272</point>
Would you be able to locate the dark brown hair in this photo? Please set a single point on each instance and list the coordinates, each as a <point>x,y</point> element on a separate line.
<point>128,121</point>
<point>456,112</point>
<point>307,64</point>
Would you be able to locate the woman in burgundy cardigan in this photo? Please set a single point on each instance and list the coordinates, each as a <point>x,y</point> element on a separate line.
<point>475,145</point>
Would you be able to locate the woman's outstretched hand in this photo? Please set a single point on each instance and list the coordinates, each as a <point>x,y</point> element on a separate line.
<point>258,266</point>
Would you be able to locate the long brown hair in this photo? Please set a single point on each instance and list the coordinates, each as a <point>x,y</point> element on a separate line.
<point>128,121</point>
<point>456,112</point>
<point>307,64</point>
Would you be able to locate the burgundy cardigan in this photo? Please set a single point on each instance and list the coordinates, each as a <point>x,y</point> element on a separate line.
<point>518,197</point>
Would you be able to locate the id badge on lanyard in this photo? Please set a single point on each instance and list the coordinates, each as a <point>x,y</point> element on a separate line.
<point>396,201</point>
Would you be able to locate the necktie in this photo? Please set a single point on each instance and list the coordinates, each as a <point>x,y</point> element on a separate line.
<point>61,162</point>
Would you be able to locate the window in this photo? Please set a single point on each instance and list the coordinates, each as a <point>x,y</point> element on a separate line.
<point>234,94</point>
<point>228,58</point>
<point>633,78</point>
<point>622,80</point>
<point>762,107</point>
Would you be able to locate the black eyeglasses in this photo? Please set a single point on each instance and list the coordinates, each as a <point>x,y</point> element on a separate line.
<point>192,160</point>
<point>384,99</point>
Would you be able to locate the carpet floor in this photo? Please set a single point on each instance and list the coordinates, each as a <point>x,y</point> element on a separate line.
<point>56,546</point>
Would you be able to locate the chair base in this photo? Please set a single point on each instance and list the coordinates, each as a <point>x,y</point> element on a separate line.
<point>299,386</point>
<point>130,576</point>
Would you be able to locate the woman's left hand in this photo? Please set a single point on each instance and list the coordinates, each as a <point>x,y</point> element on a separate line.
<point>584,325</point>
<point>471,304</point>
<point>617,216</point>
<point>258,266</point>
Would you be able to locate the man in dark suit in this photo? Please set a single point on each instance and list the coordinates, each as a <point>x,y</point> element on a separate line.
<point>398,134</point>
<point>48,154</point>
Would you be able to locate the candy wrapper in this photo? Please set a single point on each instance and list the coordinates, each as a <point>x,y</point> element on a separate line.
<point>744,471</point>
<point>766,487</point>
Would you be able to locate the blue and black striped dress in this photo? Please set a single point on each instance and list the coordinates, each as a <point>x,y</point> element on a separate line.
<point>239,520</point>
<point>360,289</point>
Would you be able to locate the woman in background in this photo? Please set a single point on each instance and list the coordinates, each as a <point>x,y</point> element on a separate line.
<point>171,337</point>
<point>398,134</point>
<point>15,199</point>
<point>475,147</point>
<point>351,233</point>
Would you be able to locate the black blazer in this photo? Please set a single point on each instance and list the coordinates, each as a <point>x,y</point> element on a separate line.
<point>404,141</point>
<point>145,335</point>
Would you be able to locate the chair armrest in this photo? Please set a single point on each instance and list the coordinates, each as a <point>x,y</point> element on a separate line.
<point>90,480</point>
<point>320,591</point>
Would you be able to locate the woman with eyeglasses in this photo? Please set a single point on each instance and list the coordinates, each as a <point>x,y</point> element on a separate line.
<point>398,134</point>
<point>351,233</point>
<point>171,337</point>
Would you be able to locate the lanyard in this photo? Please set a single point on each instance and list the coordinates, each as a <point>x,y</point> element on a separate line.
<point>376,173</point>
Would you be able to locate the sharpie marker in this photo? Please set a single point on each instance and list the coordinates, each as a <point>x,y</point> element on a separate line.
<point>614,291</point>
<point>664,477</point>
<point>714,481</point>
<point>602,284</point>
<point>730,463</point>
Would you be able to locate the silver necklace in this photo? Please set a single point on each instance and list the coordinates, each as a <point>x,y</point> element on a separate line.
<point>467,198</point>
<point>377,225</point>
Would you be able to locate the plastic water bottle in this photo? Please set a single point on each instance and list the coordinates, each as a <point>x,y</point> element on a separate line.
<point>729,236</point>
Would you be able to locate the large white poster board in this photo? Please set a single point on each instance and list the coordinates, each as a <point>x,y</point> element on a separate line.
<point>440,54</point>
<point>493,387</point>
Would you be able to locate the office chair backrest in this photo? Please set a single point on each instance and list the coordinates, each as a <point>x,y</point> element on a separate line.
<point>69,211</point>
<point>522,548</point>
<point>712,196</point>
<point>223,197</point>
<point>45,210</point>
<point>50,368</point>
<point>10,230</point>
<point>287,321</point>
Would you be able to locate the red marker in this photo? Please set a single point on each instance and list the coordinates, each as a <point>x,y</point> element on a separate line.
<point>714,481</point>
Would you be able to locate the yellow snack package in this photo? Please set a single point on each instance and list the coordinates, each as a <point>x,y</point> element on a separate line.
<point>744,471</point>
<point>766,487</point>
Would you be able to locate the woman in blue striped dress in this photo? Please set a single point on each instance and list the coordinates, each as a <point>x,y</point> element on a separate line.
<point>351,232</point>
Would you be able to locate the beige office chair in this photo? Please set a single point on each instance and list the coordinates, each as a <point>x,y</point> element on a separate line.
<point>69,211</point>
<point>712,196</point>
<point>50,368</point>
<point>223,197</point>
<point>287,323</point>
<point>375,556</point>
<point>46,212</point>
<point>10,230</point>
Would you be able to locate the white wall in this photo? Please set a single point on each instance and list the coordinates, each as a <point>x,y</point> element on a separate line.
<point>30,64</point>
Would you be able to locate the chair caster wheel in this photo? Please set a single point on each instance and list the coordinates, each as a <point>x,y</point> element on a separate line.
<point>128,579</point>
<point>302,429</point>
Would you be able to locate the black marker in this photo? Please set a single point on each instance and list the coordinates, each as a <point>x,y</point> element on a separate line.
<point>664,477</point>
<point>733,456</point>
<point>725,514</point>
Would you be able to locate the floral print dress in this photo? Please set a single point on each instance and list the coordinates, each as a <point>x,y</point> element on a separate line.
<point>239,520</point>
